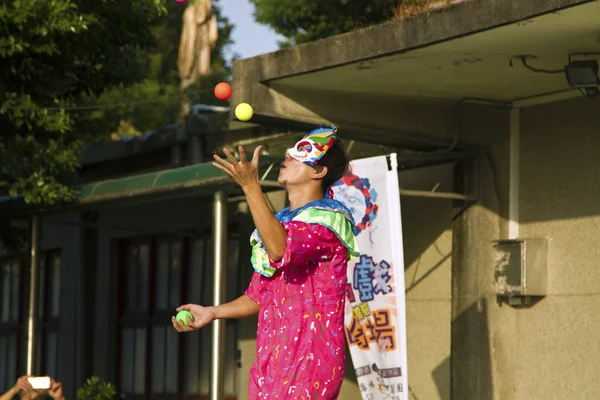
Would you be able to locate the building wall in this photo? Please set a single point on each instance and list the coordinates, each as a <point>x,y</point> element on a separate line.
<point>59,232</point>
<point>547,349</point>
<point>427,234</point>
<point>174,216</point>
<point>559,200</point>
<point>82,277</point>
<point>63,231</point>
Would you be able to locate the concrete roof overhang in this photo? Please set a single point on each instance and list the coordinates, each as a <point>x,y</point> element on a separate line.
<point>456,54</point>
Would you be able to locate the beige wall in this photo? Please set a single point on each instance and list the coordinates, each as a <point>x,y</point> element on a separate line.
<point>560,176</point>
<point>547,350</point>
<point>427,231</point>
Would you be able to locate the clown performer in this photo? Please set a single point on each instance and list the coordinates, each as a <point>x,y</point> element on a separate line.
<point>300,257</point>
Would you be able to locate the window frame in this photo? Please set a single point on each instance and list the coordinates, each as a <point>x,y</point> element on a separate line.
<point>14,328</point>
<point>155,317</point>
<point>48,324</point>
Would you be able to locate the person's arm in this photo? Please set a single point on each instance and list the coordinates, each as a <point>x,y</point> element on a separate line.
<point>271,231</point>
<point>12,392</point>
<point>241,307</point>
<point>21,385</point>
<point>245,173</point>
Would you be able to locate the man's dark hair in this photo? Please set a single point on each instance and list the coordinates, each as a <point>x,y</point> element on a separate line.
<point>337,162</point>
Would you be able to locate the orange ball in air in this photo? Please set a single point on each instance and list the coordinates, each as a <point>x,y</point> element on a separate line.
<point>223,91</point>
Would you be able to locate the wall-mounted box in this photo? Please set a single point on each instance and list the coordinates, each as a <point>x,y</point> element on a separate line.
<point>521,267</point>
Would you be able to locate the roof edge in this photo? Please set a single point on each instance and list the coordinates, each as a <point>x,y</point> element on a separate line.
<point>167,181</point>
<point>439,25</point>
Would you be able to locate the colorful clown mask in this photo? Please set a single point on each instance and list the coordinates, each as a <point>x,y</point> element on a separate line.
<point>312,147</point>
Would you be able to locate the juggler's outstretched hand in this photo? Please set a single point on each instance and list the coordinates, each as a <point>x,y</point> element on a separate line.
<point>243,172</point>
<point>202,317</point>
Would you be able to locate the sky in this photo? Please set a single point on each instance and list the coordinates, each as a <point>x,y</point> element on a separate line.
<point>250,38</point>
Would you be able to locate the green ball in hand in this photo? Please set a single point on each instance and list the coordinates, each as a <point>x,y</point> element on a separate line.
<point>182,316</point>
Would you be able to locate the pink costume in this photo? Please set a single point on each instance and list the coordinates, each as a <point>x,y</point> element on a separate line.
<point>300,335</point>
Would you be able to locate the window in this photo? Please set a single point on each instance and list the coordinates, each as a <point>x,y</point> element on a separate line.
<point>156,276</point>
<point>13,305</point>
<point>11,279</point>
<point>48,313</point>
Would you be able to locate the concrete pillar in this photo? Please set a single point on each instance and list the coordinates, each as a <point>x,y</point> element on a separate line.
<point>481,337</point>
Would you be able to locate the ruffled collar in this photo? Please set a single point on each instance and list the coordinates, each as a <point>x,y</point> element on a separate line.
<point>325,203</point>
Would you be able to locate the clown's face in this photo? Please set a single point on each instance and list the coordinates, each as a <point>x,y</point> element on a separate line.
<point>302,151</point>
<point>307,151</point>
<point>311,148</point>
<point>295,173</point>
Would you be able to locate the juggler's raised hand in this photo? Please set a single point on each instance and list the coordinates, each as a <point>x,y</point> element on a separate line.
<point>243,172</point>
<point>202,317</point>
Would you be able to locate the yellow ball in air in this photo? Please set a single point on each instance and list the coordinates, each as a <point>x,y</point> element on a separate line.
<point>244,111</point>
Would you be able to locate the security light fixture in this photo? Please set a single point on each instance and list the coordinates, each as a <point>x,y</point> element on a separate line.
<point>582,74</point>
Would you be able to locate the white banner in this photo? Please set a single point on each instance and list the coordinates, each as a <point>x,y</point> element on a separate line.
<point>375,304</point>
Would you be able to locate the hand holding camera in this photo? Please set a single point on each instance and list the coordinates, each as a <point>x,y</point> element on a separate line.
<point>29,387</point>
<point>47,384</point>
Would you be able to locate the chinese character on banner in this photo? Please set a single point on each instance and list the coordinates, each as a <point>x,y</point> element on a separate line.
<point>377,329</point>
<point>357,313</point>
<point>371,278</point>
<point>356,335</point>
<point>362,371</point>
<point>364,309</point>
<point>372,333</point>
<point>384,330</point>
<point>363,278</point>
<point>361,311</point>
<point>382,276</point>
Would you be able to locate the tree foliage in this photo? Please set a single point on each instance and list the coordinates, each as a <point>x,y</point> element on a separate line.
<point>117,57</point>
<point>56,54</point>
<point>301,21</point>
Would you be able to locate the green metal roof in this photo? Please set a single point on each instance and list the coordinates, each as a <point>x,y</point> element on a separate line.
<point>198,180</point>
<point>170,179</point>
